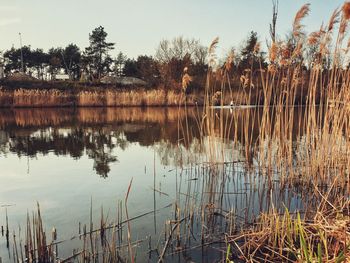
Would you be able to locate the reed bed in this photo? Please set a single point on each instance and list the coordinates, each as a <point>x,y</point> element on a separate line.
<point>309,152</point>
<point>6,98</point>
<point>150,98</point>
<point>282,237</point>
<point>322,144</point>
<point>38,98</point>
<point>105,97</point>
<point>36,247</point>
<point>95,98</point>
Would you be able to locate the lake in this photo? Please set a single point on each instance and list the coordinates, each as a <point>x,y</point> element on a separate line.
<point>78,163</point>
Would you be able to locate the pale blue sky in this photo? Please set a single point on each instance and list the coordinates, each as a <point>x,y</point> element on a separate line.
<point>137,26</point>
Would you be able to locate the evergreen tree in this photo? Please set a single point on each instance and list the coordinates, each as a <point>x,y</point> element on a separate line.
<point>39,60</point>
<point>55,60</point>
<point>13,59</point>
<point>119,64</point>
<point>96,54</point>
<point>71,60</point>
<point>251,58</point>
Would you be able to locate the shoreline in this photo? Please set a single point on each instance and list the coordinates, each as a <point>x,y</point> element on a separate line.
<point>43,94</point>
<point>48,95</point>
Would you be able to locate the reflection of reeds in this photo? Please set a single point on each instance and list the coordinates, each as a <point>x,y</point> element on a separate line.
<point>66,116</point>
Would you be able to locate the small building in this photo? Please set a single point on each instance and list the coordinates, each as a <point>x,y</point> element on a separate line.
<point>19,76</point>
<point>124,81</point>
<point>61,77</point>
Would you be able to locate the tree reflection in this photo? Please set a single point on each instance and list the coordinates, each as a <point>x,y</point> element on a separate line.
<point>96,133</point>
<point>99,132</point>
<point>99,147</point>
<point>97,144</point>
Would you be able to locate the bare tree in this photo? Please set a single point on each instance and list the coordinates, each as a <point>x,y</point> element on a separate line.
<point>200,55</point>
<point>175,55</point>
<point>179,48</point>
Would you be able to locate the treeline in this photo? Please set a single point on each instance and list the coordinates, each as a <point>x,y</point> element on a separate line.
<point>166,68</point>
<point>93,62</point>
<point>175,59</point>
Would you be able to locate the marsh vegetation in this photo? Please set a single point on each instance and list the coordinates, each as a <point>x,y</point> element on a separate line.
<point>268,183</point>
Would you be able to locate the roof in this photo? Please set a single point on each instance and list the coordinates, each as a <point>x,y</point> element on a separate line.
<point>19,76</point>
<point>126,81</point>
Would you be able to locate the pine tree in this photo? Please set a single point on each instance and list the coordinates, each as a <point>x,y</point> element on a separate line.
<point>97,53</point>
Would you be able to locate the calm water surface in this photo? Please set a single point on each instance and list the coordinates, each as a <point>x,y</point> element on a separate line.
<point>64,158</point>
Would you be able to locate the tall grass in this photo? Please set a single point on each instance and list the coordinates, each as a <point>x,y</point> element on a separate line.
<point>102,97</point>
<point>95,98</point>
<point>287,238</point>
<point>310,153</point>
<point>322,139</point>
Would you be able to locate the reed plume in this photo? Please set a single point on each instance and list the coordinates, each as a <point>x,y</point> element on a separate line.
<point>333,20</point>
<point>186,79</point>
<point>298,49</point>
<point>314,37</point>
<point>301,14</point>
<point>273,51</point>
<point>229,61</point>
<point>285,55</point>
<point>346,10</point>
<point>211,52</point>
<point>213,46</point>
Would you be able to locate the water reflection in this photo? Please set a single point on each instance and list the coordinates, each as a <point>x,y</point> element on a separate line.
<point>161,148</point>
<point>98,132</point>
<point>95,132</point>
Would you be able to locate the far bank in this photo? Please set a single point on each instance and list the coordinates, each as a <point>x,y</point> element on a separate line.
<point>26,94</point>
<point>74,94</point>
<point>17,94</point>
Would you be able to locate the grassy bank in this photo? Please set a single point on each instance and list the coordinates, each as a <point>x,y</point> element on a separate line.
<point>94,97</point>
<point>70,94</point>
<point>20,94</point>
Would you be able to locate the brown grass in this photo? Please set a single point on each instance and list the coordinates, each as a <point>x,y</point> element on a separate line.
<point>96,98</point>
<point>309,154</point>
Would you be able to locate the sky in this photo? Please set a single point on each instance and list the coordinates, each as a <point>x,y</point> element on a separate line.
<point>137,26</point>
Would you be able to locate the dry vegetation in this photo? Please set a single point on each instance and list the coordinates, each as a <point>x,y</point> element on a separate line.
<point>95,98</point>
<point>135,98</point>
<point>304,157</point>
<point>310,154</point>
<point>101,97</point>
